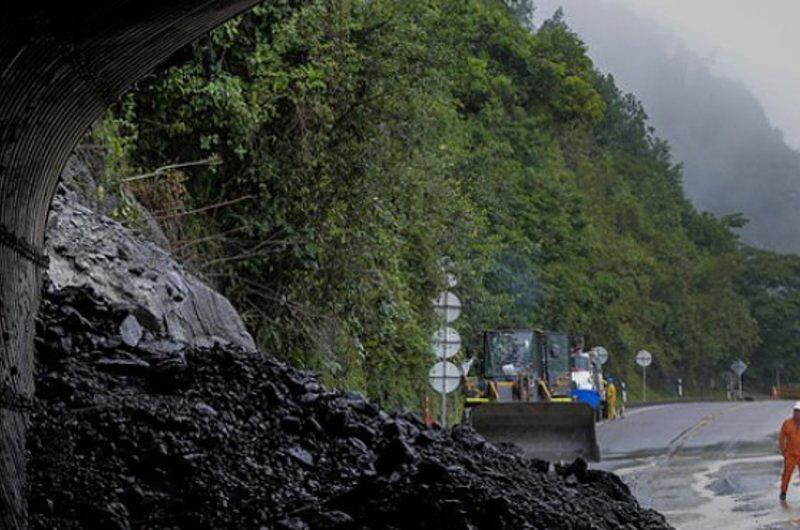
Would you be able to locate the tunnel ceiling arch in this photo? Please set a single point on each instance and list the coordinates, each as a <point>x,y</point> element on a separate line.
<point>62,63</point>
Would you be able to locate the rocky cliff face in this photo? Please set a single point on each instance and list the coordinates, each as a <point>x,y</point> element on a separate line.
<point>90,251</point>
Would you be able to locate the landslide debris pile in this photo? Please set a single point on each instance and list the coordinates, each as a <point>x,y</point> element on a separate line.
<point>153,433</point>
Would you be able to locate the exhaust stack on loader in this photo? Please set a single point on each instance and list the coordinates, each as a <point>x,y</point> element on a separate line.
<point>525,396</point>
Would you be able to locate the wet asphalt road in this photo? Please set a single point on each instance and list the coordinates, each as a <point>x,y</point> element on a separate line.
<point>705,465</point>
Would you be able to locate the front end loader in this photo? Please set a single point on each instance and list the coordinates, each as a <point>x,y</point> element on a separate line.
<point>524,396</point>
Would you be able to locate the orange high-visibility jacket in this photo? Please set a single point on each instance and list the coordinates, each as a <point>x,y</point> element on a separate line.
<point>790,438</point>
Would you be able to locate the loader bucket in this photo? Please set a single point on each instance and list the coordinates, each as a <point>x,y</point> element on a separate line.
<point>549,430</point>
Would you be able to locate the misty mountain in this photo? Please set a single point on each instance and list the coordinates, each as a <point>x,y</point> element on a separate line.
<point>734,159</point>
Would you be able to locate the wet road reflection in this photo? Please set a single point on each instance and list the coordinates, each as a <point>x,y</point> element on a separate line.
<point>705,465</point>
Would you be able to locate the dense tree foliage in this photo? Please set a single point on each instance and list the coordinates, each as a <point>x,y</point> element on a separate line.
<point>771,283</point>
<point>717,127</point>
<point>342,149</point>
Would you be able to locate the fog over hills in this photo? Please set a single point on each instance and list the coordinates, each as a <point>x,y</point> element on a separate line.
<point>734,159</point>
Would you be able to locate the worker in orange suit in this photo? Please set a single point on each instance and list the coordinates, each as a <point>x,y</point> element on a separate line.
<point>789,441</point>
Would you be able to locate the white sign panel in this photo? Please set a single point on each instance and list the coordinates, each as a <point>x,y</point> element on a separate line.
<point>447,306</point>
<point>644,358</point>
<point>738,367</point>
<point>444,376</point>
<point>602,354</point>
<point>446,342</point>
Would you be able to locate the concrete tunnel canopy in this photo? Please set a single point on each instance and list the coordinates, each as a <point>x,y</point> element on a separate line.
<point>62,63</point>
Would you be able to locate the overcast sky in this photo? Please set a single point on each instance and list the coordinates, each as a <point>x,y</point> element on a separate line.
<point>755,42</point>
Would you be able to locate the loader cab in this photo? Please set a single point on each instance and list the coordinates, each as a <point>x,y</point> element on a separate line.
<point>510,365</point>
<point>508,353</point>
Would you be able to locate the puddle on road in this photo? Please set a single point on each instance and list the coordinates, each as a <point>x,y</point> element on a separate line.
<point>695,491</point>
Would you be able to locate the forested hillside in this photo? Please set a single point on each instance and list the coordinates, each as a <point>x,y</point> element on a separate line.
<point>325,157</point>
<point>734,159</point>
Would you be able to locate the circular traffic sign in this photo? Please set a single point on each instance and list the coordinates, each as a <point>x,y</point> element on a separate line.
<point>602,354</point>
<point>447,306</point>
<point>644,358</point>
<point>444,377</point>
<point>446,342</point>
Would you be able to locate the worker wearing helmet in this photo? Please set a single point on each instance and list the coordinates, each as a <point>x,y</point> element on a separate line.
<point>789,441</point>
<point>611,399</point>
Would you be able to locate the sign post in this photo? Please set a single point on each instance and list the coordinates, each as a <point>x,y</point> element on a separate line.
<point>738,367</point>
<point>643,359</point>
<point>445,376</point>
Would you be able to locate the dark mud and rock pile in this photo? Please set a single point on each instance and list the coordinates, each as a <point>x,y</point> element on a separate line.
<point>153,433</point>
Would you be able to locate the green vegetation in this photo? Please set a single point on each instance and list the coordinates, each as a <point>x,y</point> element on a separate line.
<point>664,391</point>
<point>771,282</point>
<point>357,144</point>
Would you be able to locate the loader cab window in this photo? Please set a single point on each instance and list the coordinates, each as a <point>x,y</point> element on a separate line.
<point>557,356</point>
<point>508,353</point>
